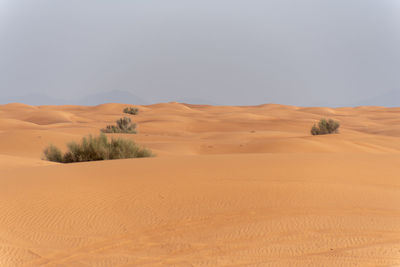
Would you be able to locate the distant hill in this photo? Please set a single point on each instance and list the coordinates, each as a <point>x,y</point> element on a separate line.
<point>33,99</point>
<point>386,99</point>
<point>116,96</point>
<point>89,100</point>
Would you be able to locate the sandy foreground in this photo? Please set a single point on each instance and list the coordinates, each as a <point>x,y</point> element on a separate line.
<point>230,186</point>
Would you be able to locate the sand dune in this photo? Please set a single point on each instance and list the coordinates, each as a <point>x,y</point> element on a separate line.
<point>230,186</point>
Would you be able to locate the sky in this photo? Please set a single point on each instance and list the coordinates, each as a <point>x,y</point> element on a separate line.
<point>228,52</point>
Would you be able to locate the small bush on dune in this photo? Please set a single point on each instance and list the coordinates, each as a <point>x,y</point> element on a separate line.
<point>52,153</point>
<point>131,110</point>
<point>123,125</point>
<point>325,127</point>
<point>97,148</point>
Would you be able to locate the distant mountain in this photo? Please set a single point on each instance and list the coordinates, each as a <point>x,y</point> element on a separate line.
<point>33,99</point>
<point>116,96</point>
<point>89,100</point>
<point>386,99</point>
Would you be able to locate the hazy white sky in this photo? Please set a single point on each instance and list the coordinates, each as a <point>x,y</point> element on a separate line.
<point>303,52</point>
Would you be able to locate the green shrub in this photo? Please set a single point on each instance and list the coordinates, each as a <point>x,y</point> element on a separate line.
<point>52,153</point>
<point>97,148</point>
<point>325,127</point>
<point>123,125</point>
<point>131,110</point>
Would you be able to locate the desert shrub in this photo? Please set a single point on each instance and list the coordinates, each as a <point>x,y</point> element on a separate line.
<point>325,127</point>
<point>123,125</point>
<point>131,110</point>
<point>52,153</point>
<point>97,148</point>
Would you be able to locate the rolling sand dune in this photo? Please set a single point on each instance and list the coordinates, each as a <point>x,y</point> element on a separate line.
<point>230,186</point>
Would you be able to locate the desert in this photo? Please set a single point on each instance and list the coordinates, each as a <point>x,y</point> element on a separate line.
<point>229,186</point>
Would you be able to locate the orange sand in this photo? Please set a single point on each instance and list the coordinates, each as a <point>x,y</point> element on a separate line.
<point>230,186</point>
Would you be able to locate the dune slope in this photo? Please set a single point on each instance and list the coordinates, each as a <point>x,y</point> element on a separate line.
<point>231,186</point>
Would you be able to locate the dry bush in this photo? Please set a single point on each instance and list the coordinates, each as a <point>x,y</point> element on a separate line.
<point>131,110</point>
<point>97,148</point>
<point>325,127</point>
<point>123,125</point>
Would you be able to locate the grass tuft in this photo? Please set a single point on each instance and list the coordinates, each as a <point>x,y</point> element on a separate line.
<point>97,148</point>
<point>131,110</point>
<point>325,127</point>
<point>123,125</point>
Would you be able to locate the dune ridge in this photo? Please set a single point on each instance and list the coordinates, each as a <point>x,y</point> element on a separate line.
<point>230,186</point>
<point>201,129</point>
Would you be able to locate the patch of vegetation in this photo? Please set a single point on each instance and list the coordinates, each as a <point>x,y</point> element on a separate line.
<point>325,127</point>
<point>131,110</point>
<point>123,125</point>
<point>53,153</point>
<point>97,148</point>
